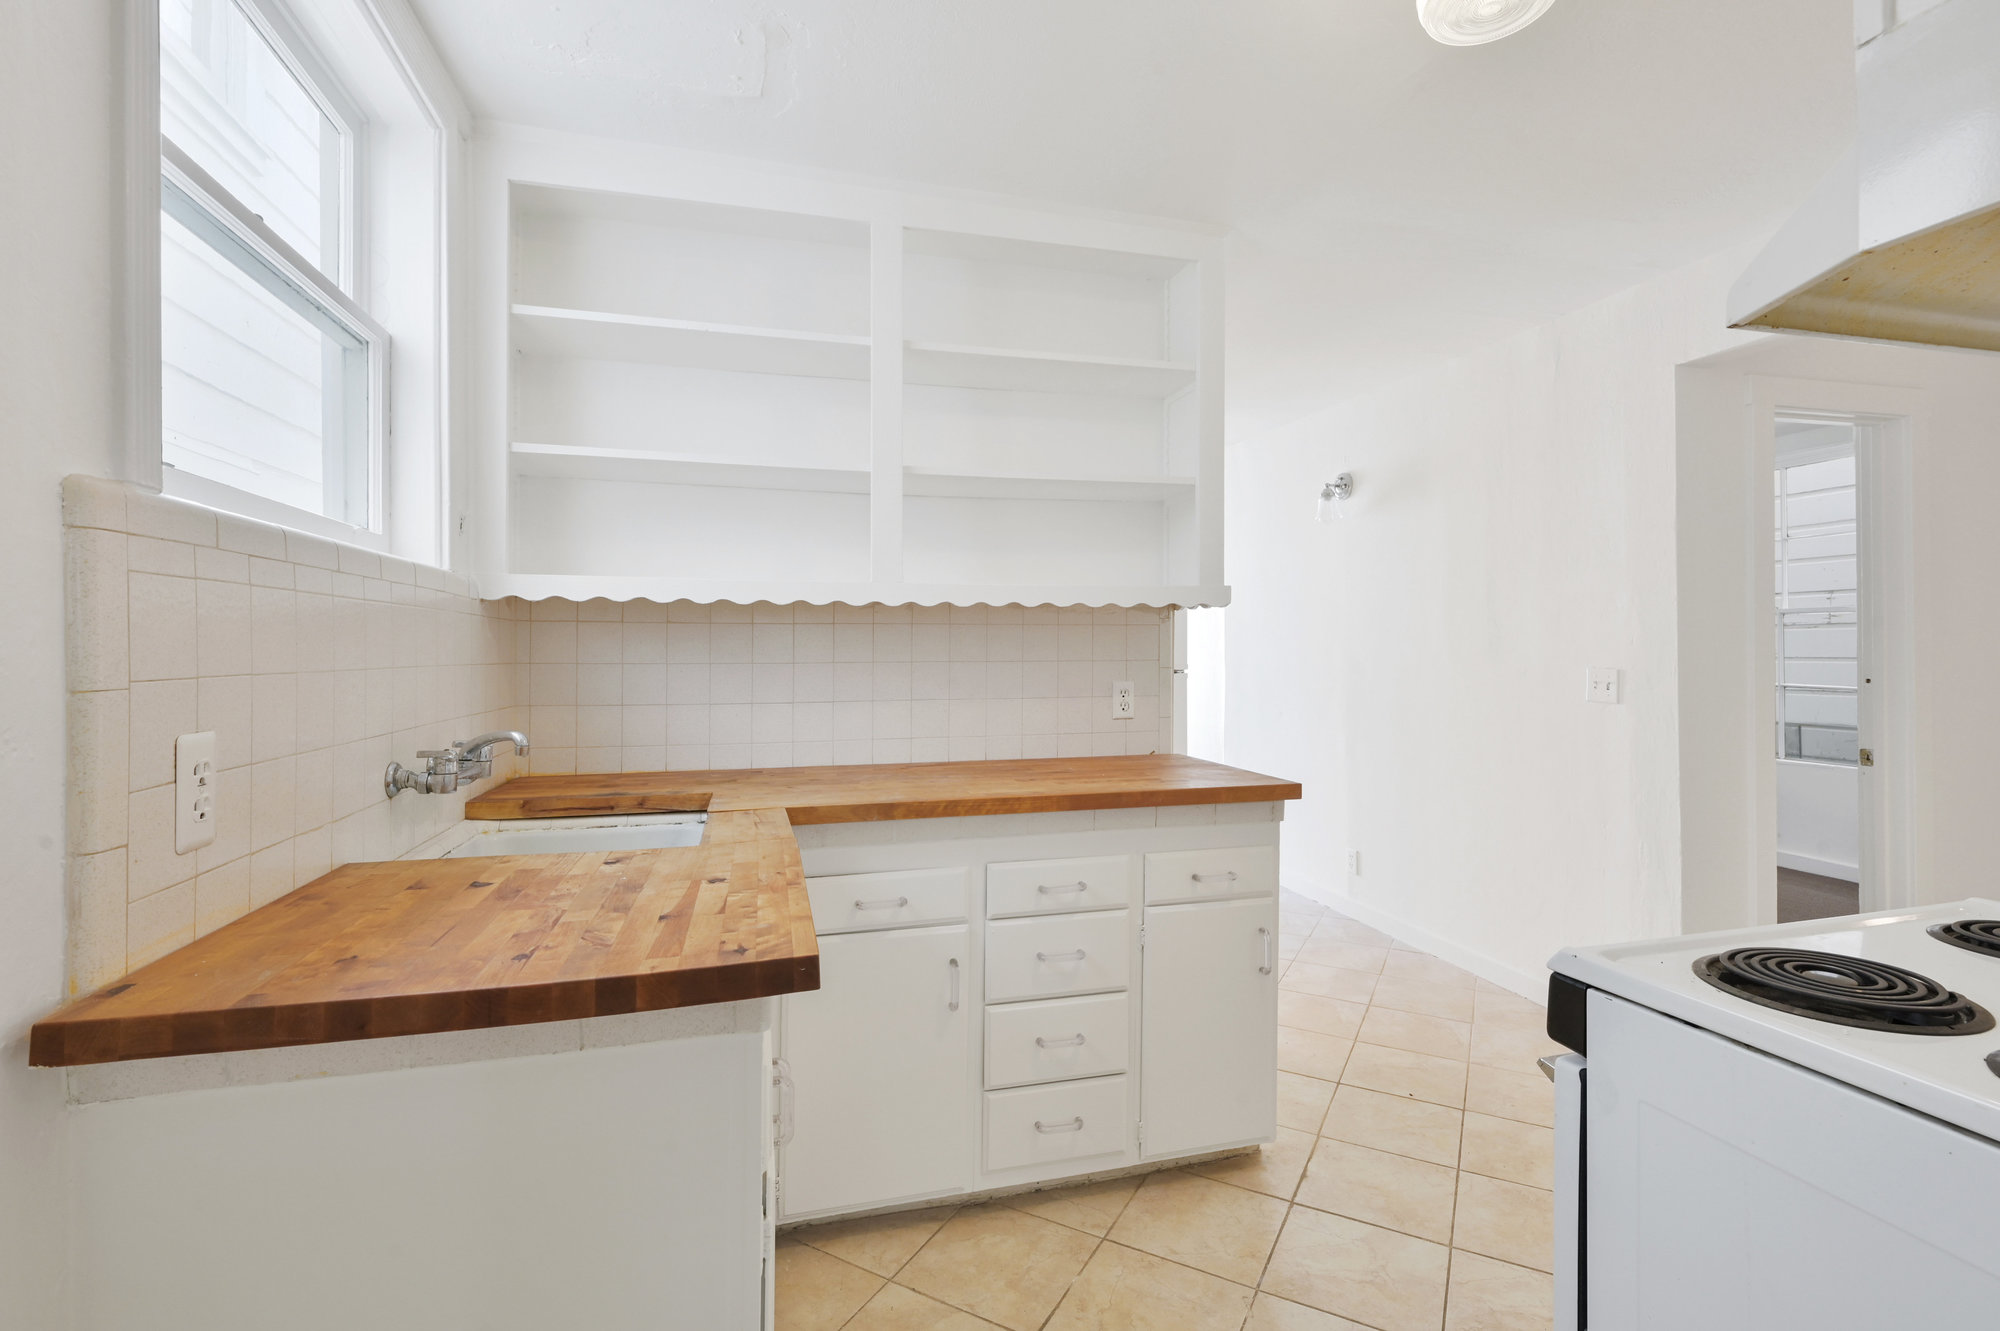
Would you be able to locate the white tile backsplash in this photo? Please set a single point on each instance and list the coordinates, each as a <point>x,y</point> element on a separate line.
<point>317,663</point>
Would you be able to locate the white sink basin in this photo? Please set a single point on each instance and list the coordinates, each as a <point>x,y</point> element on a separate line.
<point>683,830</point>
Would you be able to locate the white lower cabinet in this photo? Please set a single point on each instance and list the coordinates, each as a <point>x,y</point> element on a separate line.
<point>1209,1055</point>
<point>1074,1049</point>
<point>879,1060</point>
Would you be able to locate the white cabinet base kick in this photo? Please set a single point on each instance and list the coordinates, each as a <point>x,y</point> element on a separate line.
<point>1011,1001</point>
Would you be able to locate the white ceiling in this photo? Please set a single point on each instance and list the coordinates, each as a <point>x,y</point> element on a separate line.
<point>1392,200</point>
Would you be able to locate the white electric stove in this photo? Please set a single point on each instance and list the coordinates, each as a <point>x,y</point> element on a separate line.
<point>1787,1127</point>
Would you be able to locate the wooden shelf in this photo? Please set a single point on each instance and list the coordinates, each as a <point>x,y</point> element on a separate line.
<point>622,464</point>
<point>948,366</point>
<point>927,483</point>
<point>542,330</point>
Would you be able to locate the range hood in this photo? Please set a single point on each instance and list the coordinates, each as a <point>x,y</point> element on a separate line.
<point>1901,241</point>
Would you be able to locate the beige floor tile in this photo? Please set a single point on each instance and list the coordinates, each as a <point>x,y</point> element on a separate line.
<point>1370,1275</point>
<point>1323,951</point>
<point>1302,1101</point>
<point>1311,1054</point>
<point>1495,1296</point>
<point>1505,1149</point>
<point>1090,1207</point>
<point>1491,1003</point>
<point>1393,1191</point>
<point>1505,1093</point>
<point>1274,1170</point>
<point>1290,900</point>
<point>1422,968</point>
<point>1270,1313</point>
<point>1417,1033</point>
<point>1328,981</point>
<point>1342,929</point>
<point>1328,1016</point>
<point>1401,1072</point>
<point>879,1243</point>
<point>1503,1045</point>
<point>1000,1264</point>
<point>817,1291</point>
<point>1394,1123</point>
<point>1414,996</point>
<point>1125,1290</point>
<point>1213,1227</point>
<point>897,1309</point>
<point>1510,1221</point>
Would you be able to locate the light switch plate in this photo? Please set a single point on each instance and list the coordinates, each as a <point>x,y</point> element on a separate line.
<point>1601,684</point>
<point>1122,706</point>
<point>194,791</point>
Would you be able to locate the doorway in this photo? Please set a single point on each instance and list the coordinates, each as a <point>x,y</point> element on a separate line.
<point>1816,580</point>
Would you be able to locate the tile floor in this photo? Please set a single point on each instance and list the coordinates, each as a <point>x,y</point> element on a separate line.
<point>1408,1189</point>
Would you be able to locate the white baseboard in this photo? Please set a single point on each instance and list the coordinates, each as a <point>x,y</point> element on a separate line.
<point>1850,873</point>
<point>1528,984</point>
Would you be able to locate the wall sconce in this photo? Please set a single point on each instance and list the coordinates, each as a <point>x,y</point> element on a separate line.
<point>1333,497</point>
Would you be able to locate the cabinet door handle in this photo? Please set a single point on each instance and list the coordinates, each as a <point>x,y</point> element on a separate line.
<point>886,903</point>
<point>1228,876</point>
<point>1043,1042</point>
<point>1265,934</point>
<point>1074,1125</point>
<point>1060,956</point>
<point>951,1005</point>
<point>1052,889</point>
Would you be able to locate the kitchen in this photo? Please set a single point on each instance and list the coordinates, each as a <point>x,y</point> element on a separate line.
<point>813,552</point>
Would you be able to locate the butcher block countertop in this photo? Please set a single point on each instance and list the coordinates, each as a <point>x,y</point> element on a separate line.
<point>409,947</point>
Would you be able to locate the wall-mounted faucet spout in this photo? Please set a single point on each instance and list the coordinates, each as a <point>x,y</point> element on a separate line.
<point>465,760</point>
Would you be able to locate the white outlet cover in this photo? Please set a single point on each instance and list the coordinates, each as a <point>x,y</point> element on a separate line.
<point>195,783</point>
<point>1123,706</point>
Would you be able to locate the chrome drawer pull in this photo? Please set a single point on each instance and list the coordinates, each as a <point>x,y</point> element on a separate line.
<point>952,1006</point>
<point>1074,1125</point>
<point>1042,1042</point>
<point>1265,934</point>
<point>886,903</point>
<point>1060,956</point>
<point>1054,888</point>
<point>1228,877</point>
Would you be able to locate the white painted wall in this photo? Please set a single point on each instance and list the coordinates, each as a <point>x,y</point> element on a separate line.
<point>1819,828</point>
<point>59,413</point>
<point>1420,665</point>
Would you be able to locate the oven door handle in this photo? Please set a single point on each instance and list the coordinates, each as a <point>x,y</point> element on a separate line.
<point>1572,1287</point>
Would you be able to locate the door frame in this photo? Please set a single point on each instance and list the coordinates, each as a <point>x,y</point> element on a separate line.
<point>1888,423</point>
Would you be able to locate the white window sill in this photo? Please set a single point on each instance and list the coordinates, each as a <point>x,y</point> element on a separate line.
<point>179,484</point>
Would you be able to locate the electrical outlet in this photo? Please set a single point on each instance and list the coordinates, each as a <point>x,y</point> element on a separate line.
<point>194,791</point>
<point>1600,684</point>
<point>1354,863</point>
<point>1123,708</point>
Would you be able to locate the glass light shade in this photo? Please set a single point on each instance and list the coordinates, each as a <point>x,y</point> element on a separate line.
<point>1472,22</point>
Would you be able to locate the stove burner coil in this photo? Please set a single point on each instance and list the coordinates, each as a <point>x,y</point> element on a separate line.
<point>1852,991</point>
<point>1972,935</point>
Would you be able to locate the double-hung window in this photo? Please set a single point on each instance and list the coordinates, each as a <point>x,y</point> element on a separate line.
<point>272,385</point>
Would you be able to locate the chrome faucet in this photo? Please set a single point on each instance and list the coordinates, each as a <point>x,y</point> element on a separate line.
<point>465,760</point>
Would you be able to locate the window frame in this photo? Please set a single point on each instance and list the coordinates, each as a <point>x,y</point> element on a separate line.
<point>284,267</point>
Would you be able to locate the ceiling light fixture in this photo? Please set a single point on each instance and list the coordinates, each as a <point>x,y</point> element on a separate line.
<point>1472,22</point>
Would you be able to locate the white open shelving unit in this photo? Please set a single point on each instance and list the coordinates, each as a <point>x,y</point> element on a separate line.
<point>722,383</point>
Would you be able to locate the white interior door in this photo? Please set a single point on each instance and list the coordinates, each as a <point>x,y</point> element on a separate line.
<point>878,1057</point>
<point>1210,1025</point>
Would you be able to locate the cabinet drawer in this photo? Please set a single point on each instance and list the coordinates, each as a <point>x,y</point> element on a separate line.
<point>1041,887</point>
<point>850,902</point>
<point>1036,1124</point>
<point>1211,875</point>
<point>1058,1040</point>
<point>1053,955</point>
